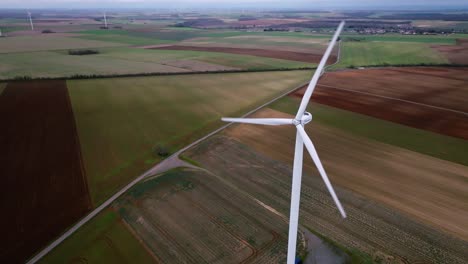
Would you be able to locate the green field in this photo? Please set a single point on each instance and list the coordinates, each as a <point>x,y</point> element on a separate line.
<point>442,147</point>
<point>48,42</point>
<point>105,239</point>
<point>355,54</point>
<point>126,60</point>
<point>432,39</point>
<point>121,120</point>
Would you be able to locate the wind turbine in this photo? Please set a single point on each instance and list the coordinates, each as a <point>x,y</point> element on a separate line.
<point>30,21</point>
<point>105,20</point>
<point>301,119</point>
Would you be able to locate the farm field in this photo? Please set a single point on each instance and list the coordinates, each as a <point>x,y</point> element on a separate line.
<point>370,227</point>
<point>43,178</point>
<point>456,54</point>
<point>355,54</point>
<point>125,60</point>
<point>205,220</point>
<point>441,147</point>
<point>378,171</point>
<point>286,55</point>
<point>122,121</point>
<point>434,99</point>
<point>48,42</point>
<point>106,239</point>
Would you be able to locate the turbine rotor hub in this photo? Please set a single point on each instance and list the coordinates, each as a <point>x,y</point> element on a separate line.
<point>306,118</point>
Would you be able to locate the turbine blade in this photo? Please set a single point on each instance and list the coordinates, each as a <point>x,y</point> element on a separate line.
<point>295,199</point>
<point>260,121</point>
<point>318,73</point>
<point>313,154</point>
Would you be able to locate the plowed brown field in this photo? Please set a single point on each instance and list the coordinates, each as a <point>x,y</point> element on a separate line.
<point>285,55</point>
<point>435,99</point>
<point>43,182</point>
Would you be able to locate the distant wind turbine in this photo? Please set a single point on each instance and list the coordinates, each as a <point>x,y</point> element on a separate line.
<point>105,20</point>
<point>301,119</point>
<point>30,21</point>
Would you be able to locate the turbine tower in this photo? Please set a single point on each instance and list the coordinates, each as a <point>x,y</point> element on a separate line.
<point>105,20</point>
<point>301,119</point>
<point>30,21</point>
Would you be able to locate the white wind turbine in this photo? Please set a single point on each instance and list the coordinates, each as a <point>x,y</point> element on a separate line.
<point>105,20</point>
<point>30,21</point>
<point>301,119</point>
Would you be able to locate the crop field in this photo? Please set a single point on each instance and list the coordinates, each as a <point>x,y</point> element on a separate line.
<point>354,54</point>
<point>435,99</point>
<point>205,220</point>
<point>299,44</point>
<point>441,147</point>
<point>121,121</point>
<point>47,42</point>
<point>286,55</point>
<point>222,59</point>
<point>43,179</point>
<point>369,227</point>
<point>126,60</point>
<point>106,239</point>
<point>423,187</point>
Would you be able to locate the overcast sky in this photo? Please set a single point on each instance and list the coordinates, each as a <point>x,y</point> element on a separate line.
<point>309,4</point>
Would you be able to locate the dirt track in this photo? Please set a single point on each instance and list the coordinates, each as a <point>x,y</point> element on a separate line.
<point>285,55</point>
<point>434,99</point>
<point>44,186</point>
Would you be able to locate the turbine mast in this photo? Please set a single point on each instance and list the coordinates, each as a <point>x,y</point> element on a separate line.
<point>30,21</point>
<point>105,20</point>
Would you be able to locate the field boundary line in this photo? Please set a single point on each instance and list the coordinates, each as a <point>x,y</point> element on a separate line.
<point>396,99</point>
<point>149,172</point>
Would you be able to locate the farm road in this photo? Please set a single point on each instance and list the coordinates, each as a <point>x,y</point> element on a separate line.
<point>167,164</point>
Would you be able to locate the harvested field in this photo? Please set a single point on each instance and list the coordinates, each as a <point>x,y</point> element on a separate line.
<point>435,99</point>
<point>457,54</point>
<point>285,55</point>
<point>43,178</point>
<point>193,216</point>
<point>430,190</point>
<point>369,227</point>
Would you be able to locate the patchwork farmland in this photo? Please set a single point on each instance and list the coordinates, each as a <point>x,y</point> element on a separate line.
<point>43,178</point>
<point>121,99</point>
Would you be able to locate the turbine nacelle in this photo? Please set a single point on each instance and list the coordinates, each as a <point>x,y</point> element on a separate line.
<point>306,118</point>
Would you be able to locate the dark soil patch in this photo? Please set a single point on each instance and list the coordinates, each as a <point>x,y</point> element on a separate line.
<point>44,187</point>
